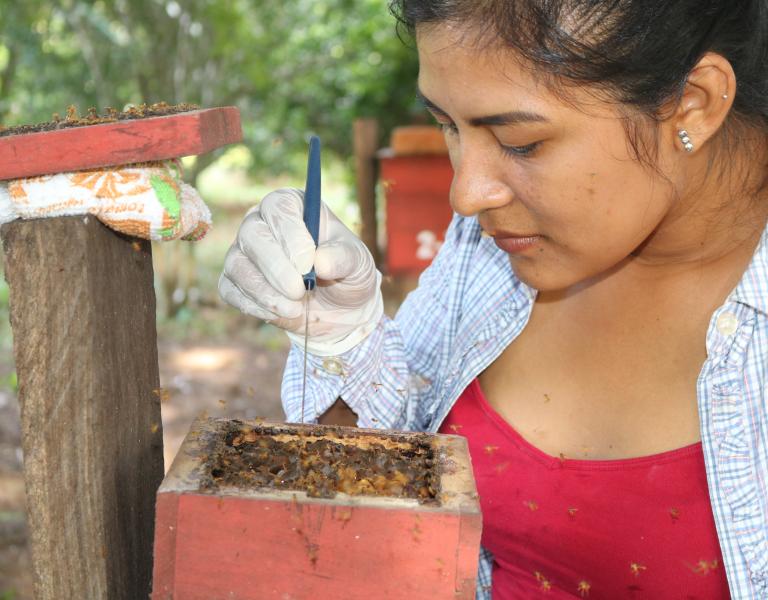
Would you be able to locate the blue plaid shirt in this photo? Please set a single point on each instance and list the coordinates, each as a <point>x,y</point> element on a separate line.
<point>469,307</point>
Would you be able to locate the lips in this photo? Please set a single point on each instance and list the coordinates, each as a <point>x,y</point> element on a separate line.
<point>514,243</point>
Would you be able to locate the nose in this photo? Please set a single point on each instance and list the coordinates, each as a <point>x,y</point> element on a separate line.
<point>477,183</point>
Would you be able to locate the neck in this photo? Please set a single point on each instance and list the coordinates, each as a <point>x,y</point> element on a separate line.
<point>719,211</point>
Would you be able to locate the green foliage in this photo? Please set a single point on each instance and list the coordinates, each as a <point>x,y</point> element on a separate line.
<point>12,382</point>
<point>293,68</point>
<point>342,60</point>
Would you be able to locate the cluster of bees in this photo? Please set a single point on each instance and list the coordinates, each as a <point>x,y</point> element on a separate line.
<point>92,117</point>
<point>323,467</point>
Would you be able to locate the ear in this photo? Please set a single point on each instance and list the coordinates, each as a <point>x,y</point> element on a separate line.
<point>707,99</point>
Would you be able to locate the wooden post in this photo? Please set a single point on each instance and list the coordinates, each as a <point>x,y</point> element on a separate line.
<point>365,143</point>
<point>85,344</point>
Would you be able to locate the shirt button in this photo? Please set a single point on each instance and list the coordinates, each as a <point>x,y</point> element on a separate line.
<point>727,323</point>
<point>333,366</point>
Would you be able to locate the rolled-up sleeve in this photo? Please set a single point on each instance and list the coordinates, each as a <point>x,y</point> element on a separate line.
<point>372,378</point>
<point>389,379</point>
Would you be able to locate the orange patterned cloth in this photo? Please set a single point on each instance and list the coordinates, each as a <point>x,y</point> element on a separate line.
<point>147,200</point>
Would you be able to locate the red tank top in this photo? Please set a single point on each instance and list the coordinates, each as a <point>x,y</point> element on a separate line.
<point>598,529</point>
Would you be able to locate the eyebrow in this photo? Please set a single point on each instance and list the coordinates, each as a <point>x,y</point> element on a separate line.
<point>513,117</point>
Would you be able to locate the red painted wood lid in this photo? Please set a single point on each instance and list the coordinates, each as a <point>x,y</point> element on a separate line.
<point>119,143</point>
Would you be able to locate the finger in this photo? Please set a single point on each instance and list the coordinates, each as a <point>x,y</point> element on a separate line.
<point>254,285</point>
<point>232,295</point>
<point>342,260</point>
<point>256,240</point>
<point>283,211</point>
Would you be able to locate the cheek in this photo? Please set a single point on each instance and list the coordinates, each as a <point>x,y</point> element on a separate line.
<point>605,216</point>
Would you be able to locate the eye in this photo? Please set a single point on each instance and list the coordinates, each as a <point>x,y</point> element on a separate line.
<point>448,127</point>
<point>526,150</point>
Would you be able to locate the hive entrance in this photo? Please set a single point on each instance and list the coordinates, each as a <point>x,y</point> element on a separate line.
<point>323,461</point>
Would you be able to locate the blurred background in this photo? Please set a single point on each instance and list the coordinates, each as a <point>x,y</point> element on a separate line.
<point>293,68</point>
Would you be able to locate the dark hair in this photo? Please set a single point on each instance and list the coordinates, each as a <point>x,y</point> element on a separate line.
<point>638,51</point>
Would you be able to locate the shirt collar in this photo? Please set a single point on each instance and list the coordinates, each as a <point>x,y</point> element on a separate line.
<point>752,289</point>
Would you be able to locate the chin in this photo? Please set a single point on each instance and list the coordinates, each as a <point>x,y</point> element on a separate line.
<point>542,279</point>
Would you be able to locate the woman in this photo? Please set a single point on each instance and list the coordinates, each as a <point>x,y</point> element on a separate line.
<point>596,322</point>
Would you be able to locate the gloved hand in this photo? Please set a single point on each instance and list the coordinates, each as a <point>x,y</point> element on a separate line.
<point>264,267</point>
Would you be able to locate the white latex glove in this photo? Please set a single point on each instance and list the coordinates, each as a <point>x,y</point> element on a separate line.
<point>264,267</point>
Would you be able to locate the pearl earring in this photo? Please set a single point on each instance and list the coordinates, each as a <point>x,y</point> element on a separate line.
<point>686,141</point>
<point>725,96</point>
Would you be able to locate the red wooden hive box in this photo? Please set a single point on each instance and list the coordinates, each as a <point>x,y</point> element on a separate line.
<point>247,544</point>
<point>416,189</point>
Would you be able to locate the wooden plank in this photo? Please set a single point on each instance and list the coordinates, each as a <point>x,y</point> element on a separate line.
<point>255,549</point>
<point>83,320</point>
<point>365,143</point>
<point>164,571</point>
<point>119,143</point>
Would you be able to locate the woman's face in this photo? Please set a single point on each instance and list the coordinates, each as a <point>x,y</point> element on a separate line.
<point>555,183</point>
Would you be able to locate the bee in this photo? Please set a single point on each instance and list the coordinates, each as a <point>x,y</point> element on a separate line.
<point>703,567</point>
<point>546,585</point>
<point>440,566</point>
<point>163,394</point>
<point>416,533</point>
<point>312,552</point>
<point>344,516</point>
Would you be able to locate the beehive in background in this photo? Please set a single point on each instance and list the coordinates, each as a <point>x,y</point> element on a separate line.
<point>416,177</point>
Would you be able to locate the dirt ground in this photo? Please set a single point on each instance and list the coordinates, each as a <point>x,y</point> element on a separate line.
<point>236,379</point>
